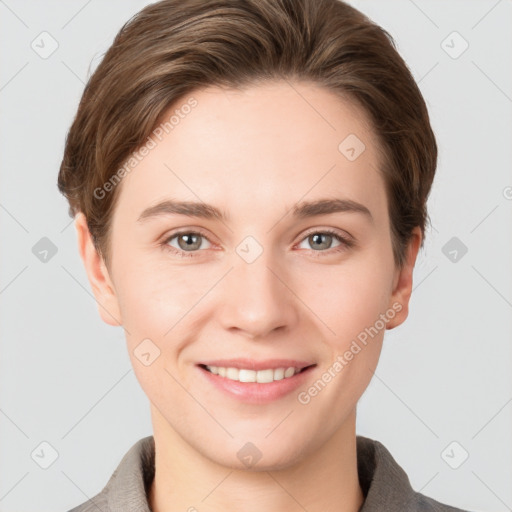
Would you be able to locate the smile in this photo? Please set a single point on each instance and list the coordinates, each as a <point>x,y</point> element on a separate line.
<point>246,375</point>
<point>255,386</point>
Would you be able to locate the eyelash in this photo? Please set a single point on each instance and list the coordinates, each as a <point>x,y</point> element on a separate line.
<point>346,243</point>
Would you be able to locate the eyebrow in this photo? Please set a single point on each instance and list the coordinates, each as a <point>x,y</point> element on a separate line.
<point>301,210</point>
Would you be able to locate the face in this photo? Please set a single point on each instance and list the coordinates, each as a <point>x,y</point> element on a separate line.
<point>269,278</point>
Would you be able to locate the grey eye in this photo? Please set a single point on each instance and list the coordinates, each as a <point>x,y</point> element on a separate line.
<point>320,241</point>
<point>187,241</point>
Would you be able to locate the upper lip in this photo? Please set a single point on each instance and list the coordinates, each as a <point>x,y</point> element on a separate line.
<point>251,364</point>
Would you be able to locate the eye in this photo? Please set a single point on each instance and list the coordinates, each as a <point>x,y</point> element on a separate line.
<point>188,242</point>
<point>323,240</point>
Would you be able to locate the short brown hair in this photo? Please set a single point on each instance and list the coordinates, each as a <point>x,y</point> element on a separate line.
<point>173,47</point>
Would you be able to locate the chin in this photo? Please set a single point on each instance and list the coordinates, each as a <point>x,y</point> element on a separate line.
<point>258,456</point>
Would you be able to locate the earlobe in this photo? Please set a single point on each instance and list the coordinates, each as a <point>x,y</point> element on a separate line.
<point>401,295</point>
<point>97,273</point>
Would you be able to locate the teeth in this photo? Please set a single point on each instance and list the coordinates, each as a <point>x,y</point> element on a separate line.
<point>262,376</point>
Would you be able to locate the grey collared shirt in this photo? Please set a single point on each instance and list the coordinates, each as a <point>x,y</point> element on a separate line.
<point>384,483</point>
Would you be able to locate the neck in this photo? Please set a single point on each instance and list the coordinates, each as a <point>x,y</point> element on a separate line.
<point>185,480</point>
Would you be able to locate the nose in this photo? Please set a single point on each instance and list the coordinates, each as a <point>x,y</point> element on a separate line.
<point>257,299</point>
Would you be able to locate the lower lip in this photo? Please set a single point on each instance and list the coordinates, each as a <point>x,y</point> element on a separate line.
<point>257,392</point>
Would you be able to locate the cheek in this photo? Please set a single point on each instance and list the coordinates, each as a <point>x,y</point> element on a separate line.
<point>153,298</point>
<point>353,301</point>
<point>152,305</point>
<point>347,298</point>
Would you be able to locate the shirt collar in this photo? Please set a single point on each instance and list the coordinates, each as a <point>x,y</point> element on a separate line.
<point>384,483</point>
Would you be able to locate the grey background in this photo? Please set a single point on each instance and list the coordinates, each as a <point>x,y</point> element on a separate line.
<point>444,375</point>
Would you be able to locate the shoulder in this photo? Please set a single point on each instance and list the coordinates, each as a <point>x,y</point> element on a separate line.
<point>422,503</point>
<point>98,502</point>
<point>385,484</point>
<point>127,488</point>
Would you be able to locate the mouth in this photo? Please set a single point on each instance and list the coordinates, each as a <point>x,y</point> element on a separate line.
<point>262,376</point>
<point>260,386</point>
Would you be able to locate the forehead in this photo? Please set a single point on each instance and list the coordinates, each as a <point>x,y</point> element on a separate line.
<point>269,144</point>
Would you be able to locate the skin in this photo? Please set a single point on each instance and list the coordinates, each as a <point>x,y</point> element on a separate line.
<point>253,153</point>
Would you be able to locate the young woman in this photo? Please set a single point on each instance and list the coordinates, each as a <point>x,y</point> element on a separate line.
<point>249,183</point>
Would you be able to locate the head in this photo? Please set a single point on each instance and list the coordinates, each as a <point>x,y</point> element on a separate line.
<point>254,111</point>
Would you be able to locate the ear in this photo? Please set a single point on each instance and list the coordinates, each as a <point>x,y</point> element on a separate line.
<point>402,284</point>
<point>98,275</point>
